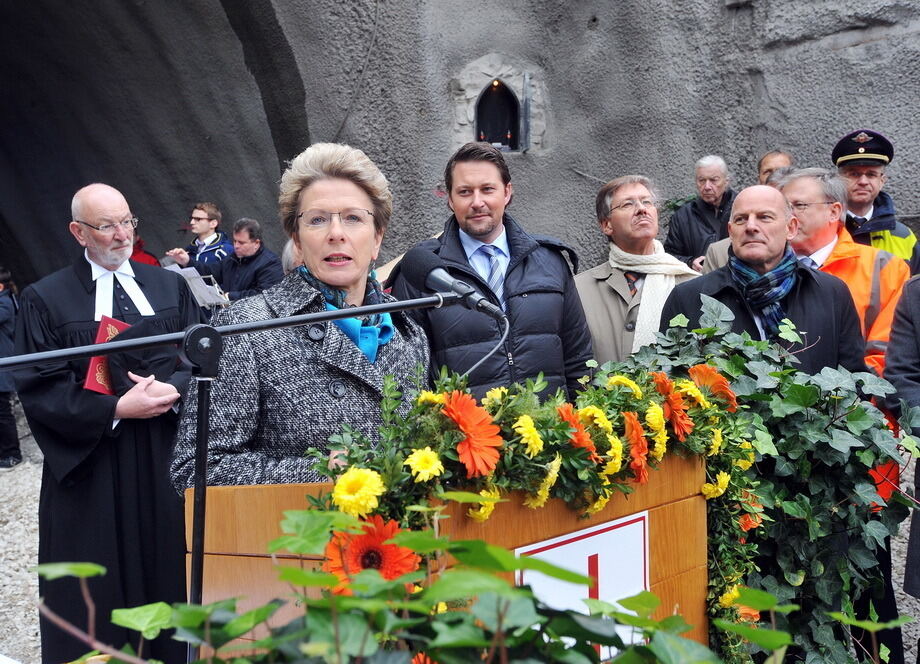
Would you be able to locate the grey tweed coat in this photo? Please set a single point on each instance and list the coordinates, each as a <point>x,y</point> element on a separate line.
<point>282,391</point>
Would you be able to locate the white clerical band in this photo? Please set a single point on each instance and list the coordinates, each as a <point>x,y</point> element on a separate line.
<point>105,284</point>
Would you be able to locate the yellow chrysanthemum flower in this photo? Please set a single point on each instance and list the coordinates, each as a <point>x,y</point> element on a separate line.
<point>688,388</point>
<point>525,428</point>
<point>654,418</point>
<point>594,415</point>
<point>484,511</point>
<point>424,464</point>
<point>711,491</point>
<point>661,445</point>
<point>427,396</point>
<point>729,597</point>
<point>494,397</point>
<point>357,490</point>
<point>599,504</point>
<point>539,498</point>
<point>744,464</point>
<point>716,443</point>
<point>615,463</point>
<point>625,382</point>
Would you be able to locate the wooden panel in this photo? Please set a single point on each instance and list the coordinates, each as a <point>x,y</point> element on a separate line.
<point>677,538</point>
<point>686,594</point>
<point>244,519</point>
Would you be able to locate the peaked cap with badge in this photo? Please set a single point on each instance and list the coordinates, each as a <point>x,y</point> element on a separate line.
<point>863,147</point>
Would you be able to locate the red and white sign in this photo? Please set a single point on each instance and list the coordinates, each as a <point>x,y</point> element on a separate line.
<point>614,553</point>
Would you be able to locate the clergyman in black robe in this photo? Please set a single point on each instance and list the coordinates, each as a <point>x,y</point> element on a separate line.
<point>106,495</point>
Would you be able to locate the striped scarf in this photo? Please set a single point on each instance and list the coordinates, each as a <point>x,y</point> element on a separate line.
<point>763,292</point>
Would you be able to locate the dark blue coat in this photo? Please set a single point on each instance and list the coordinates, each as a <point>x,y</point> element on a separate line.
<point>214,252</point>
<point>902,369</point>
<point>820,306</point>
<point>242,276</point>
<point>7,325</point>
<point>696,225</point>
<point>548,328</point>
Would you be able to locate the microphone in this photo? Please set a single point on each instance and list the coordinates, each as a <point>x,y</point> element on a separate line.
<point>425,271</point>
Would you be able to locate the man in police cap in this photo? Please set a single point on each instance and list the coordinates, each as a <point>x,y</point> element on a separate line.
<point>861,158</point>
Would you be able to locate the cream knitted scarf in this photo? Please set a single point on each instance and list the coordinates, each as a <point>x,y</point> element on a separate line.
<point>660,270</point>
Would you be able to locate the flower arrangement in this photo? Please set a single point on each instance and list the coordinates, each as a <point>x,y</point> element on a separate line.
<point>617,430</point>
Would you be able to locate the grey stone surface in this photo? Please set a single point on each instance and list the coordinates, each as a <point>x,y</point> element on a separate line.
<point>178,102</point>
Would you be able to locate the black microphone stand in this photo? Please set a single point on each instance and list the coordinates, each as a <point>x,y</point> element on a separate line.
<point>201,346</point>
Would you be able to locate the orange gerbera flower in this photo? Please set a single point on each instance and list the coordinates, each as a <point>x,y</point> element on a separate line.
<point>706,376</point>
<point>579,437</point>
<point>662,383</point>
<point>747,614</point>
<point>479,450</point>
<point>350,553</point>
<point>638,446</point>
<point>422,658</point>
<point>676,411</point>
<point>749,521</point>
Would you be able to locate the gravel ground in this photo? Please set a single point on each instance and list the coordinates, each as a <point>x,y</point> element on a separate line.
<point>19,550</point>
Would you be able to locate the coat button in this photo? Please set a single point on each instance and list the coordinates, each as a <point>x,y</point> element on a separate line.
<point>630,326</point>
<point>337,389</point>
<point>316,331</point>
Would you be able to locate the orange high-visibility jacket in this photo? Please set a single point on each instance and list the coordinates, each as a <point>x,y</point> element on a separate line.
<point>875,279</point>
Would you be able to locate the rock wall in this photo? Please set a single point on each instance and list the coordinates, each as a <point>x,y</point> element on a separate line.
<point>178,102</point>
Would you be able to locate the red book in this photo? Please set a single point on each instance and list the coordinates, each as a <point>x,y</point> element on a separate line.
<point>97,375</point>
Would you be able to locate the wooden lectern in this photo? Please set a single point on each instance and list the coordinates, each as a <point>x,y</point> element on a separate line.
<point>242,520</point>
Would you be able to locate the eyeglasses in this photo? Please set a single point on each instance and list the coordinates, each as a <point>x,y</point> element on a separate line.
<point>109,229</point>
<point>801,207</point>
<point>870,175</point>
<point>193,219</point>
<point>350,218</point>
<point>631,204</point>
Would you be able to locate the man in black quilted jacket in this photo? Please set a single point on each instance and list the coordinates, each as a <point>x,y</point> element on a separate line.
<point>528,276</point>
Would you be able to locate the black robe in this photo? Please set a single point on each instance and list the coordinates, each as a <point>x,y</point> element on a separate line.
<point>106,495</point>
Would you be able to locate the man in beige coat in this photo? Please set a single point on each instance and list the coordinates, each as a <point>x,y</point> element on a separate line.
<point>623,297</point>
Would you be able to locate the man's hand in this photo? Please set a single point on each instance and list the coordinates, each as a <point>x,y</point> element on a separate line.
<point>148,398</point>
<point>697,263</point>
<point>179,255</point>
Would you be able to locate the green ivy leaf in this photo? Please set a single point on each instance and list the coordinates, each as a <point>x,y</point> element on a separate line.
<point>759,600</point>
<point>457,584</point>
<point>787,331</point>
<point>244,623</point>
<point>859,420</point>
<point>769,639</point>
<point>679,321</point>
<point>644,604</point>
<point>507,613</point>
<point>148,619</point>
<point>461,635</point>
<point>805,396</point>
<point>468,497</point>
<point>844,441</point>
<point>872,384</point>
<point>869,625</point>
<point>52,571</point>
<point>305,577</point>
<point>866,494</point>
<point>308,531</point>
<point>831,380</point>
<point>673,649</point>
<point>763,443</point>
<point>877,531</point>
<point>420,541</point>
<point>909,443</point>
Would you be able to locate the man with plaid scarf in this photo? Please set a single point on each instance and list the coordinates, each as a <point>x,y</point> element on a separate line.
<point>763,284</point>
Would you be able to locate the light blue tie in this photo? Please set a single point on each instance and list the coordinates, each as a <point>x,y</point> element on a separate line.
<point>808,262</point>
<point>496,278</point>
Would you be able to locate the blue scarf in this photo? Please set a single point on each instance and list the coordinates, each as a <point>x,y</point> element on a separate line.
<point>763,292</point>
<point>367,333</point>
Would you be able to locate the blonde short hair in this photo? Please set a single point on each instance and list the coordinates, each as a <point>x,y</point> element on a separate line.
<point>333,160</point>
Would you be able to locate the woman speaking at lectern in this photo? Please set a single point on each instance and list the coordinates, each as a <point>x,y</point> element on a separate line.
<point>280,392</point>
